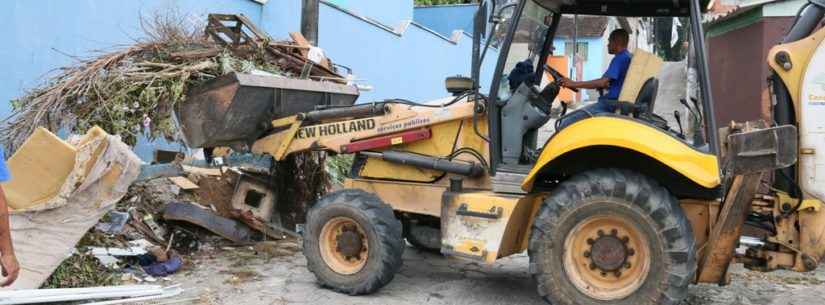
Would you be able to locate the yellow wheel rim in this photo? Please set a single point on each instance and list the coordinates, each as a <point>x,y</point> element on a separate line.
<point>606,258</point>
<point>343,245</point>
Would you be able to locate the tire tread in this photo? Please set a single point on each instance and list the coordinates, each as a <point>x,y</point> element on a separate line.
<point>387,228</point>
<point>642,191</point>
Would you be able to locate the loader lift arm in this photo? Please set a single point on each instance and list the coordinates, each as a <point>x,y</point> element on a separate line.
<point>362,128</point>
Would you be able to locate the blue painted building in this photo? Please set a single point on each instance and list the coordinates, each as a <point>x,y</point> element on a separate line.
<point>386,49</point>
<point>589,42</point>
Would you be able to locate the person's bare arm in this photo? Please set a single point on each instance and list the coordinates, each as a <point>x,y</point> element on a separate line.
<point>11,268</point>
<point>600,83</point>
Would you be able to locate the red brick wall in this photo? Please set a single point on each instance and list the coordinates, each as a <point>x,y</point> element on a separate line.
<point>738,69</point>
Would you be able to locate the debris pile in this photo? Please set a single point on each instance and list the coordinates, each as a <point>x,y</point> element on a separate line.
<point>152,220</point>
<point>166,222</point>
<point>133,91</point>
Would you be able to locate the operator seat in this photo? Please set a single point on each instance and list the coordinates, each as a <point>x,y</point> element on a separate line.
<point>643,107</point>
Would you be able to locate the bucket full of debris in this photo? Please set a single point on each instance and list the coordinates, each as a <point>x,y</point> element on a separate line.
<point>237,107</point>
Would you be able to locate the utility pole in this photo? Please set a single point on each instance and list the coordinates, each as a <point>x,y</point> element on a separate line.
<point>309,21</point>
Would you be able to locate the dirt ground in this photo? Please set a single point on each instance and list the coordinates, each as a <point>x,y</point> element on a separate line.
<point>278,275</point>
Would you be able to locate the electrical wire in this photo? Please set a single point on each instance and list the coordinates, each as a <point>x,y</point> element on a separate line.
<point>476,98</point>
<point>411,103</point>
<point>472,152</point>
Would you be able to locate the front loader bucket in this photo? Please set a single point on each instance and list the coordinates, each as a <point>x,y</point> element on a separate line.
<point>236,108</point>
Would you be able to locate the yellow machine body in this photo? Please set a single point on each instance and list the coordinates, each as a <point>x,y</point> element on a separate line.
<point>801,53</point>
<point>701,168</point>
<point>484,225</point>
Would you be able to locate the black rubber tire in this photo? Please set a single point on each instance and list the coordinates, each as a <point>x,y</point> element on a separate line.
<point>423,237</point>
<point>384,237</point>
<point>636,197</point>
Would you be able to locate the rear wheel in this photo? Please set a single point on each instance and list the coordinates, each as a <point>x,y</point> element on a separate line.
<point>611,237</point>
<point>423,232</point>
<point>353,242</point>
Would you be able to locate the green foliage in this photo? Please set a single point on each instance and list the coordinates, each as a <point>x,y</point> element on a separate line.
<point>338,167</point>
<point>131,92</point>
<point>81,270</point>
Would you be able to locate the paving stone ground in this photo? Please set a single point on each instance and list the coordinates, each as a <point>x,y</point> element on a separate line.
<point>241,276</point>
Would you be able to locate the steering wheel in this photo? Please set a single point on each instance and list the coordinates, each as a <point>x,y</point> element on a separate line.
<point>556,76</point>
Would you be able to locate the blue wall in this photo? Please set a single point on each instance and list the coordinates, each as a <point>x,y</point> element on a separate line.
<point>445,19</point>
<point>389,12</point>
<point>411,64</point>
<point>595,65</point>
<point>37,34</point>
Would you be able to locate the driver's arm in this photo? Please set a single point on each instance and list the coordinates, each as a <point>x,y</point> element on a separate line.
<point>600,83</point>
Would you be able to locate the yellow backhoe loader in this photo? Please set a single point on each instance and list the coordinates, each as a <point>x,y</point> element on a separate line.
<point>616,208</point>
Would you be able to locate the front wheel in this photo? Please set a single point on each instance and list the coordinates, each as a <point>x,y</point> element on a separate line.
<point>353,243</point>
<point>612,236</point>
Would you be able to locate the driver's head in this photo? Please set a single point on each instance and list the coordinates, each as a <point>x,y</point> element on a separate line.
<point>617,41</point>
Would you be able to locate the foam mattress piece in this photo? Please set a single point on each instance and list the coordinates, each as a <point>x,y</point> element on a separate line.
<point>39,169</point>
<point>46,234</point>
<point>643,66</point>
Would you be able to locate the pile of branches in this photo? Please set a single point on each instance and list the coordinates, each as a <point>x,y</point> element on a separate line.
<point>132,92</point>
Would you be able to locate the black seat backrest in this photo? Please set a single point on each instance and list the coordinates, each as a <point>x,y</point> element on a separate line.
<point>647,96</point>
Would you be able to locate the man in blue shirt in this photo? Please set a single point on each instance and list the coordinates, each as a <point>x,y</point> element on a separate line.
<point>612,80</point>
<point>8,261</point>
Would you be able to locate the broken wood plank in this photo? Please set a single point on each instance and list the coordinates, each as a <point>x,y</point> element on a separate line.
<point>196,54</point>
<point>202,171</point>
<point>301,41</point>
<point>287,46</point>
<point>184,183</point>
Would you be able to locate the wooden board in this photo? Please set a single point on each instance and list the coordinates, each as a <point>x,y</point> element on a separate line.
<point>183,183</point>
<point>302,42</point>
<point>202,171</point>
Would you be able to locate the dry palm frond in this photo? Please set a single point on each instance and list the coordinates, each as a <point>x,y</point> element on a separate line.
<point>131,91</point>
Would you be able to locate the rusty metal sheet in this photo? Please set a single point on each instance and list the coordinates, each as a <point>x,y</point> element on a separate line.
<point>225,227</point>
